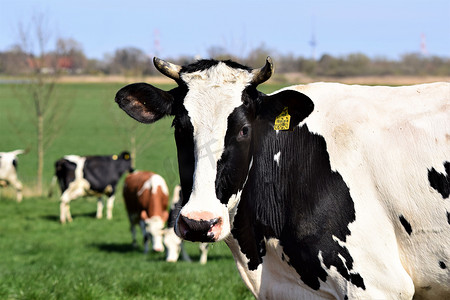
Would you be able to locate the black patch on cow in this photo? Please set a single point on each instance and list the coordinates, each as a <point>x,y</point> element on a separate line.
<point>14,162</point>
<point>104,171</point>
<point>184,138</point>
<point>205,64</point>
<point>65,172</point>
<point>440,182</point>
<point>301,202</point>
<point>448,218</point>
<point>345,297</point>
<point>174,211</point>
<point>442,265</point>
<point>405,224</point>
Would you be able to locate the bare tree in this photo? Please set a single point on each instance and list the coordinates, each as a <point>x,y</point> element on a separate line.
<point>37,94</point>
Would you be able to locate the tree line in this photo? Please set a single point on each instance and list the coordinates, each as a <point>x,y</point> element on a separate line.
<point>68,57</point>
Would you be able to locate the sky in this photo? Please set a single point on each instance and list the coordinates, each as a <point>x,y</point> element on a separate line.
<point>171,28</point>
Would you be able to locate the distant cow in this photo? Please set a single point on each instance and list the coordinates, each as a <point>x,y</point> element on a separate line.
<point>174,244</point>
<point>321,191</point>
<point>146,198</point>
<point>8,171</point>
<point>90,175</point>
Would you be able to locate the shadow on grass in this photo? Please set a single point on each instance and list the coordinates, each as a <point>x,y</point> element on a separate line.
<point>116,247</point>
<point>74,216</point>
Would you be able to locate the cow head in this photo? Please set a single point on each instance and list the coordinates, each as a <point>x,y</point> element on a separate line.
<point>217,110</point>
<point>124,162</point>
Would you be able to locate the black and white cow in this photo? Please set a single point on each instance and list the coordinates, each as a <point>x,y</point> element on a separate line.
<point>350,202</point>
<point>90,175</point>
<point>8,171</point>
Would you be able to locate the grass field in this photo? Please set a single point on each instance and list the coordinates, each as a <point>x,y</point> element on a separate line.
<point>89,258</point>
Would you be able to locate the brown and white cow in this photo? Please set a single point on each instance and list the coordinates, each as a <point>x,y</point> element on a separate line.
<point>146,197</point>
<point>8,171</point>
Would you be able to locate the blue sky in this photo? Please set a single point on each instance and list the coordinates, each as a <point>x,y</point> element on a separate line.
<point>382,28</point>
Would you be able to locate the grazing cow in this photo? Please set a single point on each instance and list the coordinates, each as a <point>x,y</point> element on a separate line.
<point>90,175</point>
<point>322,190</point>
<point>173,243</point>
<point>8,171</point>
<point>146,198</point>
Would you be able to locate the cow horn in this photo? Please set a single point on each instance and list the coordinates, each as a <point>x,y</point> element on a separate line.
<point>167,68</point>
<point>264,73</point>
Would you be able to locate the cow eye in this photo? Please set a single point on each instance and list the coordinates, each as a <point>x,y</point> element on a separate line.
<point>244,133</point>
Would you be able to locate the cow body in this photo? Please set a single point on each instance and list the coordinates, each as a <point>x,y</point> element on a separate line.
<point>8,171</point>
<point>146,197</point>
<point>90,175</point>
<point>351,201</point>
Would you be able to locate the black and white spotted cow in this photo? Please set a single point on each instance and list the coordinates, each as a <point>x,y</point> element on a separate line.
<point>8,171</point>
<point>90,175</point>
<point>347,199</point>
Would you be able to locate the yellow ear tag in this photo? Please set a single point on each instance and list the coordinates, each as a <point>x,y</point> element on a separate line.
<point>282,121</point>
<point>114,157</point>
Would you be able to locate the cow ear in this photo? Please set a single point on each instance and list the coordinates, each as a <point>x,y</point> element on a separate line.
<point>144,102</point>
<point>287,103</point>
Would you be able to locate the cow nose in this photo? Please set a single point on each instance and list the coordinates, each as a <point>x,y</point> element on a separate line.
<point>199,230</point>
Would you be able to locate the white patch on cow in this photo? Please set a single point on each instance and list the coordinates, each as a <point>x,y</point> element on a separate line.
<point>276,158</point>
<point>154,226</point>
<point>8,173</point>
<point>79,186</point>
<point>213,95</point>
<point>173,245</point>
<point>153,183</point>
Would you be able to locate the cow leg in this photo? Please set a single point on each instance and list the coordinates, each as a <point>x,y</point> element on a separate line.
<point>184,253</point>
<point>68,214</point>
<point>110,206</point>
<point>99,208</point>
<point>14,182</point>
<point>204,253</point>
<point>133,235</point>
<point>68,195</point>
<point>62,212</point>
<point>145,235</point>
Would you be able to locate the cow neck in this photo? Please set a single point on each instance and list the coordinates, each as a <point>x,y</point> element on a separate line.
<point>293,195</point>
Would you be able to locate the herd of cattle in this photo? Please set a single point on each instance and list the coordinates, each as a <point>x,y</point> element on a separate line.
<point>321,191</point>
<point>145,194</point>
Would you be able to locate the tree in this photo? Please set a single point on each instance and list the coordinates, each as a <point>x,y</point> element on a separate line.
<point>37,95</point>
<point>70,55</point>
<point>130,61</point>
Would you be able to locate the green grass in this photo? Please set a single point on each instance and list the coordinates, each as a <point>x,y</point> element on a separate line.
<point>94,259</point>
<point>89,258</point>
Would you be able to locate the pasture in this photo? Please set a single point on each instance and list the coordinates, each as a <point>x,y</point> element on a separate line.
<point>89,258</point>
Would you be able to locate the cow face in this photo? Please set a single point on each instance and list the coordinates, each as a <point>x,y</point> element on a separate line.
<point>217,111</point>
<point>124,162</point>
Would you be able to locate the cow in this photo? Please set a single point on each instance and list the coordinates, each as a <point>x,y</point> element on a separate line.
<point>321,191</point>
<point>79,176</point>
<point>146,197</point>
<point>174,244</point>
<point>8,172</point>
